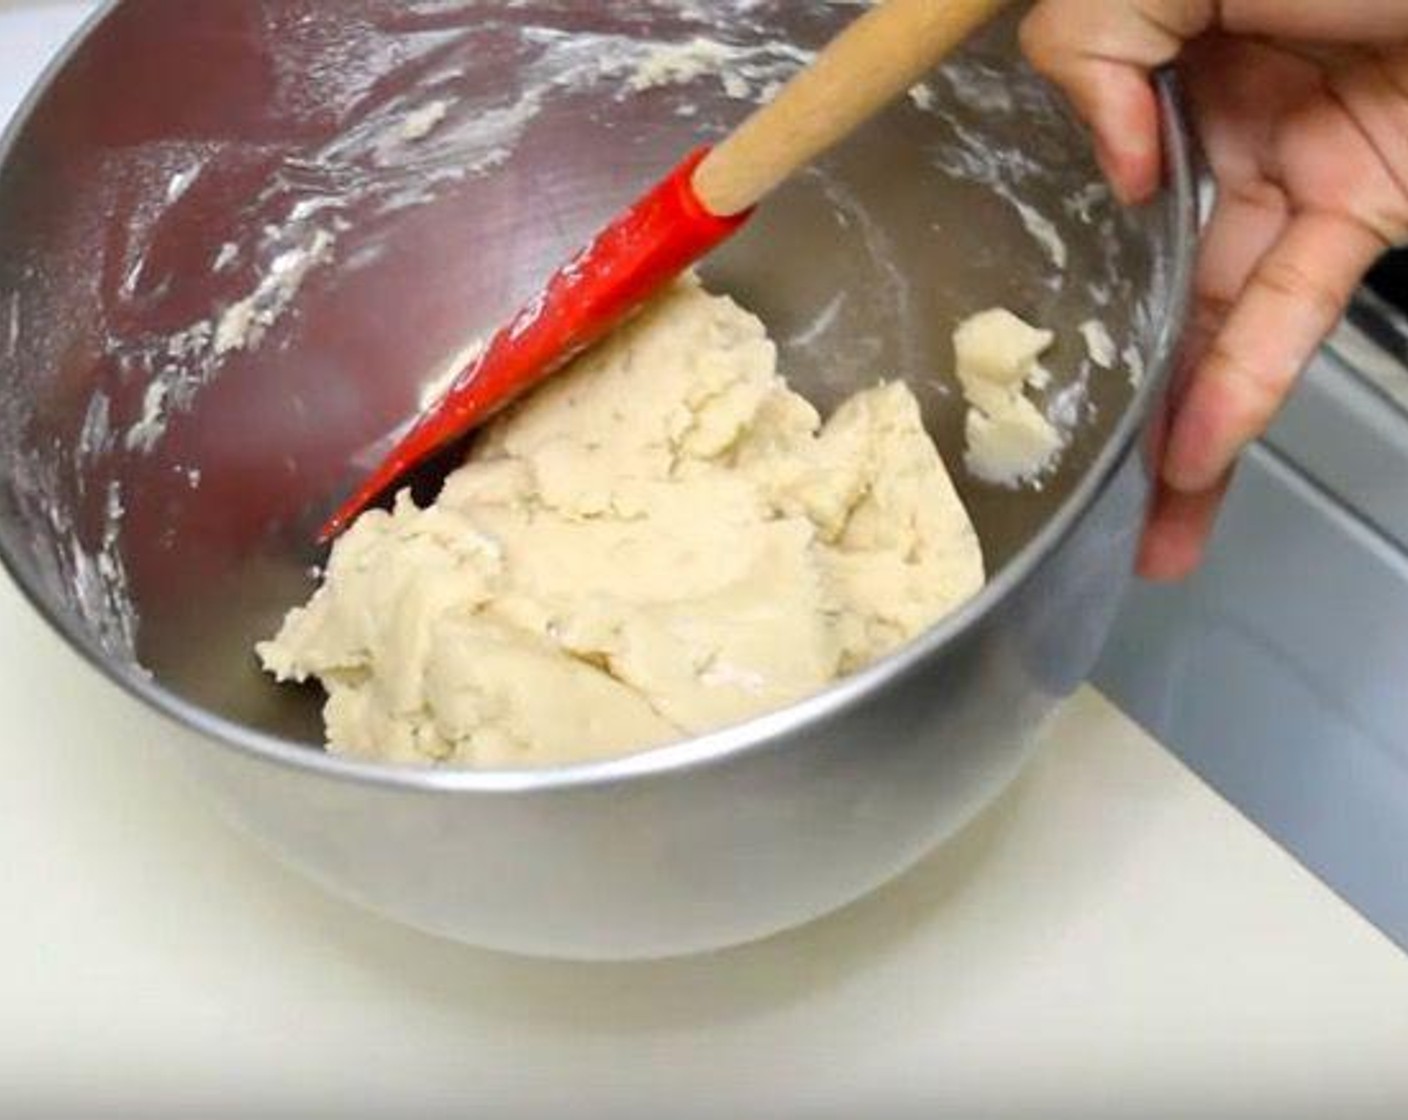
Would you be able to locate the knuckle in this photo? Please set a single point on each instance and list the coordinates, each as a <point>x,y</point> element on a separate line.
<point>1394,227</point>
<point>1033,39</point>
<point>1295,285</point>
<point>1211,308</point>
<point>1258,194</point>
<point>1040,38</point>
<point>1246,396</point>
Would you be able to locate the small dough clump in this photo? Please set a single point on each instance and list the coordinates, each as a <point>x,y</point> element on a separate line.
<point>1009,441</point>
<point>1098,343</point>
<point>663,540</point>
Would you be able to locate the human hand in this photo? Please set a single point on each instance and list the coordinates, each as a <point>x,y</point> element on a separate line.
<point>1303,112</point>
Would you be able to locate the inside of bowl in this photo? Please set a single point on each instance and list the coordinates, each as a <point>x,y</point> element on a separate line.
<point>242,241</point>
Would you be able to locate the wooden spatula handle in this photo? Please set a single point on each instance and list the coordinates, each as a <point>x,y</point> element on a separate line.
<point>871,63</point>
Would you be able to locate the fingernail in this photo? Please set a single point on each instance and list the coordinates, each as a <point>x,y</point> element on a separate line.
<point>1110,167</point>
<point>1188,478</point>
<point>1188,466</point>
<point>1167,554</point>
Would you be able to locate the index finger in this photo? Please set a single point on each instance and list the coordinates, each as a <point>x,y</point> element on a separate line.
<point>1292,302</point>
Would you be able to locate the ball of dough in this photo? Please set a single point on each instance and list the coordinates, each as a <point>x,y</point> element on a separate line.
<point>661,541</point>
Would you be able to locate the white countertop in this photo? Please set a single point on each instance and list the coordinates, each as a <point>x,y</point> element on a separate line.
<point>1110,940</point>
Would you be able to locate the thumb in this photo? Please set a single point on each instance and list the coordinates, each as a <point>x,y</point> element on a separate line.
<point>1100,52</point>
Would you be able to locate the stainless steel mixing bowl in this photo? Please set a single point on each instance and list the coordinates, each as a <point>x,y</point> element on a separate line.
<point>240,238</point>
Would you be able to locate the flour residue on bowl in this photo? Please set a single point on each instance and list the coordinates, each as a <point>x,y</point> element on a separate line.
<point>86,573</point>
<point>1003,171</point>
<point>745,73</point>
<point>403,151</point>
<point>183,362</point>
<point>406,149</point>
<point>244,323</point>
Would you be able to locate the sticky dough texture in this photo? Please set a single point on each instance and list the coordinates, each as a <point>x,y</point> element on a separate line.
<point>1009,441</point>
<point>662,541</point>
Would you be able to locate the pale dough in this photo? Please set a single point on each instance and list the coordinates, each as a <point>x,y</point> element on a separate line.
<point>662,541</point>
<point>998,356</point>
<point>1098,343</point>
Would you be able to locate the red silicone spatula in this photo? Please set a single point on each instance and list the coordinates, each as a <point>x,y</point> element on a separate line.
<point>700,203</point>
